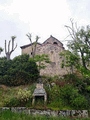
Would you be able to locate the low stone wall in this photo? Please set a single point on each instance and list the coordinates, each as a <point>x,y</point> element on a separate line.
<point>64,113</point>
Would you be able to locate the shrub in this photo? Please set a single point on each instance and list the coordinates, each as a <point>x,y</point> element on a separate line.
<point>18,71</point>
<point>23,95</point>
<point>21,98</point>
<point>67,92</point>
<point>79,102</point>
<point>13,102</point>
<point>71,96</point>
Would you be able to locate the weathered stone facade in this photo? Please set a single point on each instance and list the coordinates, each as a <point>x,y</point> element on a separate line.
<point>52,47</point>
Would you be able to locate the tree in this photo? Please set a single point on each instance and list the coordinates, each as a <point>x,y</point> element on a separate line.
<point>4,65</point>
<point>33,45</point>
<point>1,50</point>
<point>69,61</point>
<point>9,52</point>
<point>18,71</point>
<point>80,43</point>
<point>41,60</point>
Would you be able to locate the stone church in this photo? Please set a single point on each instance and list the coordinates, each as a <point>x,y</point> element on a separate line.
<point>52,47</point>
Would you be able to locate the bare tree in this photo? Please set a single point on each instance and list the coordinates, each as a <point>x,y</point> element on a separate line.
<point>33,44</point>
<point>8,52</point>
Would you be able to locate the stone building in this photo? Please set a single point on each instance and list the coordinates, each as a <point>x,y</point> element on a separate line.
<point>52,47</point>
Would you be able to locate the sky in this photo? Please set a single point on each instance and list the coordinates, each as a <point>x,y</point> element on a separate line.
<point>39,17</point>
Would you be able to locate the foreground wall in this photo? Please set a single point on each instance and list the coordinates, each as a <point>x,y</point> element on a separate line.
<point>64,113</point>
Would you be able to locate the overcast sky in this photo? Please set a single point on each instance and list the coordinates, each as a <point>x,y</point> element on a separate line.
<point>39,17</point>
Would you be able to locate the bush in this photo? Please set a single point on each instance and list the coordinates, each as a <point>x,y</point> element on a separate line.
<point>23,95</point>
<point>18,71</point>
<point>21,98</point>
<point>13,102</point>
<point>67,92</point>
<point>79,102</point>
<point>71,96</point>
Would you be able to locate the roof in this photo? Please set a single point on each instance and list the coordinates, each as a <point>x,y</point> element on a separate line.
<point>52,38</point>
<point>22,47</point>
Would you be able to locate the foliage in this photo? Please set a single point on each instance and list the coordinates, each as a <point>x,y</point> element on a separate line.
<point>18,71</point>
<point>69,61</point>
<point>79,102</point>
<point>71,96</point>
<point>16,97</point>
<point>9,102</point>
<point>62,94</point>
<point>41,60</point>
<point>23,95</point>
<point>83,88</point>
<point>80,43</point>
<point>4,65</point>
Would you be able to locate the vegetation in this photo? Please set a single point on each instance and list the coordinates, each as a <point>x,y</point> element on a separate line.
<point>62,94</point>
<point>80,44</point>
<point>20,70</point>
<point>41,61</point>
<point>77,62</point>
<point>18,77</point>
<point>69,61</point>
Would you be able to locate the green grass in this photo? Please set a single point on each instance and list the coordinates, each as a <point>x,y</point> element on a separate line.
<point>8,115</point>
<point>9,93</point>
<point>55,101</point>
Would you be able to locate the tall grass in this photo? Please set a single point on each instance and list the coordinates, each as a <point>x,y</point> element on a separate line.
<point>8,115</point>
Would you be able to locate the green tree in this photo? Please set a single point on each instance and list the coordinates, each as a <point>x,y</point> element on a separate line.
<point>80,43</point>
<point>4,66</point>
<point>41,61</point>
<point>70,95</point>
<point>18,71</point>
<point>69,60</point>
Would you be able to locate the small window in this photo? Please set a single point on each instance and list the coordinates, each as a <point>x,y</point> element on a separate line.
<point>55,43</point>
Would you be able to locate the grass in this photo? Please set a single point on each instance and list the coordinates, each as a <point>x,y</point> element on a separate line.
<point>8,93</point>
<point>8,115</point>
<point>9,97</point>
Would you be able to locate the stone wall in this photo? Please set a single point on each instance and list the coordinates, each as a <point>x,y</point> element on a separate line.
<point>51,47</point>
<point>54,67</point>
<point>48,112</point>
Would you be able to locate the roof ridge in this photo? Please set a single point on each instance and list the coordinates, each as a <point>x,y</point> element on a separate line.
<point>54,38</point>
